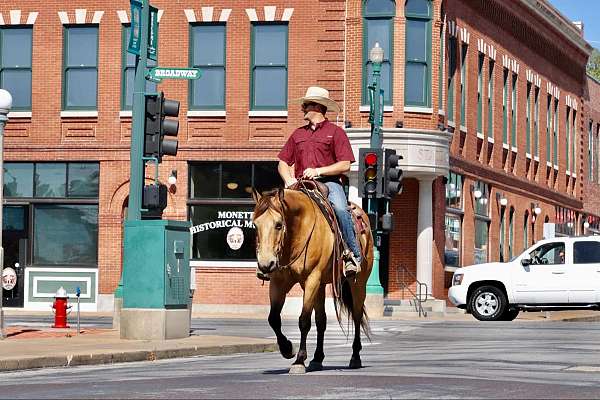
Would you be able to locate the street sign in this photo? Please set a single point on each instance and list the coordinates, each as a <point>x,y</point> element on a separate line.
<point>153,34</point>
<point>159,73</point>
<point>133,46</point>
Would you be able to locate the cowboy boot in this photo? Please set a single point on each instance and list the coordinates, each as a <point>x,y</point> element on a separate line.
<point>351,264</point>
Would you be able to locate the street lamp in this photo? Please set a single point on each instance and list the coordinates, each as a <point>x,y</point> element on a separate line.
<point>5,106</point>
<point>376,120</point>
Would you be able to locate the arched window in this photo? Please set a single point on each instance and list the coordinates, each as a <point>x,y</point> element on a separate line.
<point>378,26</point>
<point>417,91</point>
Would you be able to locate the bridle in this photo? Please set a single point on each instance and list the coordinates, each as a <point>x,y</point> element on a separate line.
<point>282,238</point>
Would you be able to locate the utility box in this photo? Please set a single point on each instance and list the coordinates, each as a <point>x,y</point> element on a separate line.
<point>156,279</point>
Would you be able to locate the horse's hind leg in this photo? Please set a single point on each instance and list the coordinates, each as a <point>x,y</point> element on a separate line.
<point>321,322</point>
<point>277,293</point>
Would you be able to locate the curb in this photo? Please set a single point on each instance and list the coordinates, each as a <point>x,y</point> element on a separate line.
<point>582,319</point>
<point>72,360</point>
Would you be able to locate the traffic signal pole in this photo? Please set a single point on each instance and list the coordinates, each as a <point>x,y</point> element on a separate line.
<point>136,181</point>
<point>376,116</point>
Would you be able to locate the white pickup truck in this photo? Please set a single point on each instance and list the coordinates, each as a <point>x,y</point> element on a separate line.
<point>554,274</point>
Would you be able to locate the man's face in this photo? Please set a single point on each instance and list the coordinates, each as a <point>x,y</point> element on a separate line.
<point>310,109</point>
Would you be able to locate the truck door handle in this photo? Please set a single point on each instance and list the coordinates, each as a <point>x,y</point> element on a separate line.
<point>558,272</point>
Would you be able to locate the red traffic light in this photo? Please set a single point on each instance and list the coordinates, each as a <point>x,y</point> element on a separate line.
<point>370,159</point>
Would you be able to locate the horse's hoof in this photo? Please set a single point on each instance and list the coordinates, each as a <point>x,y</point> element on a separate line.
<point>314,366</point>
<point>297,369</point>
<point>355,363</point>
<point>287,350</point>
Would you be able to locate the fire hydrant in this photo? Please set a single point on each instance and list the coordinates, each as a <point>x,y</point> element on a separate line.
<point>60,308</point>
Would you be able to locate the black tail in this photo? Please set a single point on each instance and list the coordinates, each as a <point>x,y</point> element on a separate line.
<point>344,304</point>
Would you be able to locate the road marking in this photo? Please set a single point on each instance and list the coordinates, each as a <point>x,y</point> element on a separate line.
<point>583,368</point>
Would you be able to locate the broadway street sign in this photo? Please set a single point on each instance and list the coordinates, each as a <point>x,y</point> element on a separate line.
<point>159,73</point>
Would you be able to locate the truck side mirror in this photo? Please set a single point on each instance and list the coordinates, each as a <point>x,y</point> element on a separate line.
<point>525,261</point>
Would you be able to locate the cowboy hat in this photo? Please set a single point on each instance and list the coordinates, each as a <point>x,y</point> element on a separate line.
<point>319,95</point>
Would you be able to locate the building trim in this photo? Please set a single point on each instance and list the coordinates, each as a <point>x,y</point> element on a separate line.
<point>15,18</point>
<point>267,113</point>
<point>207,113</point>
<point>80,17</point>
<point>511,183</point>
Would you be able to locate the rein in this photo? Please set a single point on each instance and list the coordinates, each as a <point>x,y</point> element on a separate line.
<point>304,249</point>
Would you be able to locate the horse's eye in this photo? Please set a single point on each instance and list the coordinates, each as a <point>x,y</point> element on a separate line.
<point>278,226</point>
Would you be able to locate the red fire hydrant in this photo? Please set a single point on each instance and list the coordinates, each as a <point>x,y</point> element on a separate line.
<point>60,308</point>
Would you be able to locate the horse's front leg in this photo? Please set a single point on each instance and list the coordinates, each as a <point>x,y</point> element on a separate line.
<point>277,293</point>
<point>316,363</point>
<point>311,290</point>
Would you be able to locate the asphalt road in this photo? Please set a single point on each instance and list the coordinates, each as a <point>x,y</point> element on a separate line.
<point>416,359</point>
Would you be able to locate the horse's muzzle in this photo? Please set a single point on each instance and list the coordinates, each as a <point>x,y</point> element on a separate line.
<point>267,268</point>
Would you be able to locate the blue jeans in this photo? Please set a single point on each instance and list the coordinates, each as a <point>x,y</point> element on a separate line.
<point>338,200</point>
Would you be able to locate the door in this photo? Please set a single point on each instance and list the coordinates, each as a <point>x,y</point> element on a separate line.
<point>585,272</point>
<point>15,241</point>
<point>545,281</point>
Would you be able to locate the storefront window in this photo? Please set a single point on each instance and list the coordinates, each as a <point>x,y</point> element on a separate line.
<point>221,205</point>
<point>65,234</point>
<point>454,189</point>
<point>18,180</point>
<point>452,247</point>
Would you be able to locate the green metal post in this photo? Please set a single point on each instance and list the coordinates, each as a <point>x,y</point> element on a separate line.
<point>374,284</point>
<point>136,180</point>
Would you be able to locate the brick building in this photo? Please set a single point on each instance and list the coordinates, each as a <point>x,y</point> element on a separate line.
<point>485,99</point>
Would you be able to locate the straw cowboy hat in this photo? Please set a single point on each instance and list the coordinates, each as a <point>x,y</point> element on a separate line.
<point>319,95</point>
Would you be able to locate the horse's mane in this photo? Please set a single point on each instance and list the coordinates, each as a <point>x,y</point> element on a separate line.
<point>266,201</point>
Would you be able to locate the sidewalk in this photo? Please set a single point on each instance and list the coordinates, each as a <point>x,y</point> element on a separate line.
<point>27,348</point>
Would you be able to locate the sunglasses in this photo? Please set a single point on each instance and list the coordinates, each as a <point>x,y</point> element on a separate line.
<point>309,105</point>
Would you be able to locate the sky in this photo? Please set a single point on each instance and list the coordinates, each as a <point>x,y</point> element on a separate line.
<point>587,11</point>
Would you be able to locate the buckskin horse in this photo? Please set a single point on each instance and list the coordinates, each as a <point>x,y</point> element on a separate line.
<point>295,244</point>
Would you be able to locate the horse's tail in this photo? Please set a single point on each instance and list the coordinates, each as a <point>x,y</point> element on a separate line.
<point>344,304</point>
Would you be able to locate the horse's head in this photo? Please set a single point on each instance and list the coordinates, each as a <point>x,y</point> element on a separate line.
<point>269,220</point>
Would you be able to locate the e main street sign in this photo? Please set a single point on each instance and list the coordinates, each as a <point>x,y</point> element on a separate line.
<point>159,73</point>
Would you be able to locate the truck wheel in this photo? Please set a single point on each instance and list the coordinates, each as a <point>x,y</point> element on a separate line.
<point>488,303</point>
<point>510,314</point>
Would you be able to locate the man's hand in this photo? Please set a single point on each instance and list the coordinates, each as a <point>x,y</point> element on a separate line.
<point>311,173</point>
<point>290,182</point>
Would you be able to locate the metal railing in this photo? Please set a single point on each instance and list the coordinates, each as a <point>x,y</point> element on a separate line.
<point>417,296</point>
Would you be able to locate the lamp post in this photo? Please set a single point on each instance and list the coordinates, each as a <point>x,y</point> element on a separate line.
<point>376,120</point>
<point>5,106</point>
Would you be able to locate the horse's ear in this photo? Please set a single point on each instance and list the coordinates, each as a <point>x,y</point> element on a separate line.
<point>256,195</point>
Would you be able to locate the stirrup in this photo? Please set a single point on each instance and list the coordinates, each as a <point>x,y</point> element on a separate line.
<point>351,264</point>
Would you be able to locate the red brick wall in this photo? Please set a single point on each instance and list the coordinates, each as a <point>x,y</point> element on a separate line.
<point>592,112</point>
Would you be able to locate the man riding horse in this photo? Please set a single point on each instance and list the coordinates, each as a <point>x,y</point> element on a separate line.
<point>321,150</point>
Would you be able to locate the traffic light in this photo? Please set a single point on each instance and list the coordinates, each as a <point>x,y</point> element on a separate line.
<point>157,126</point>
<point>392,175</point>
<point>154,201</point>
<point>370,172</point>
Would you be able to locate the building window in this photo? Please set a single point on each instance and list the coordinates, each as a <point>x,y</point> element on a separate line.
<point>441,70</point>
<point>418,53</point>
<point>526,231</point>
<point>536,123</point>
<point>482,220</point>
<point>74,233</point>
<point>568,139</point>
<point>269,80</point>
<point>555,138</point>
<point>513,112</point>
<point>548,128</point>
<point>80,68</point>
<point>453,221</point>
<point>208,52</point>
<point>591,155</point>
<point>221,205</point>
<point>511,233</point>
<point>505,108</point>
<point>490,100</point>
<point>378,26</point>
<point>574,141</point>
<point>463,85</point>
<point>528,120</point>
<point>128,72</point>
<point>480,93</point>
<point>61,201</point>
<point>502,236</point>
<point>452,44</point>
<point>15,65</point>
